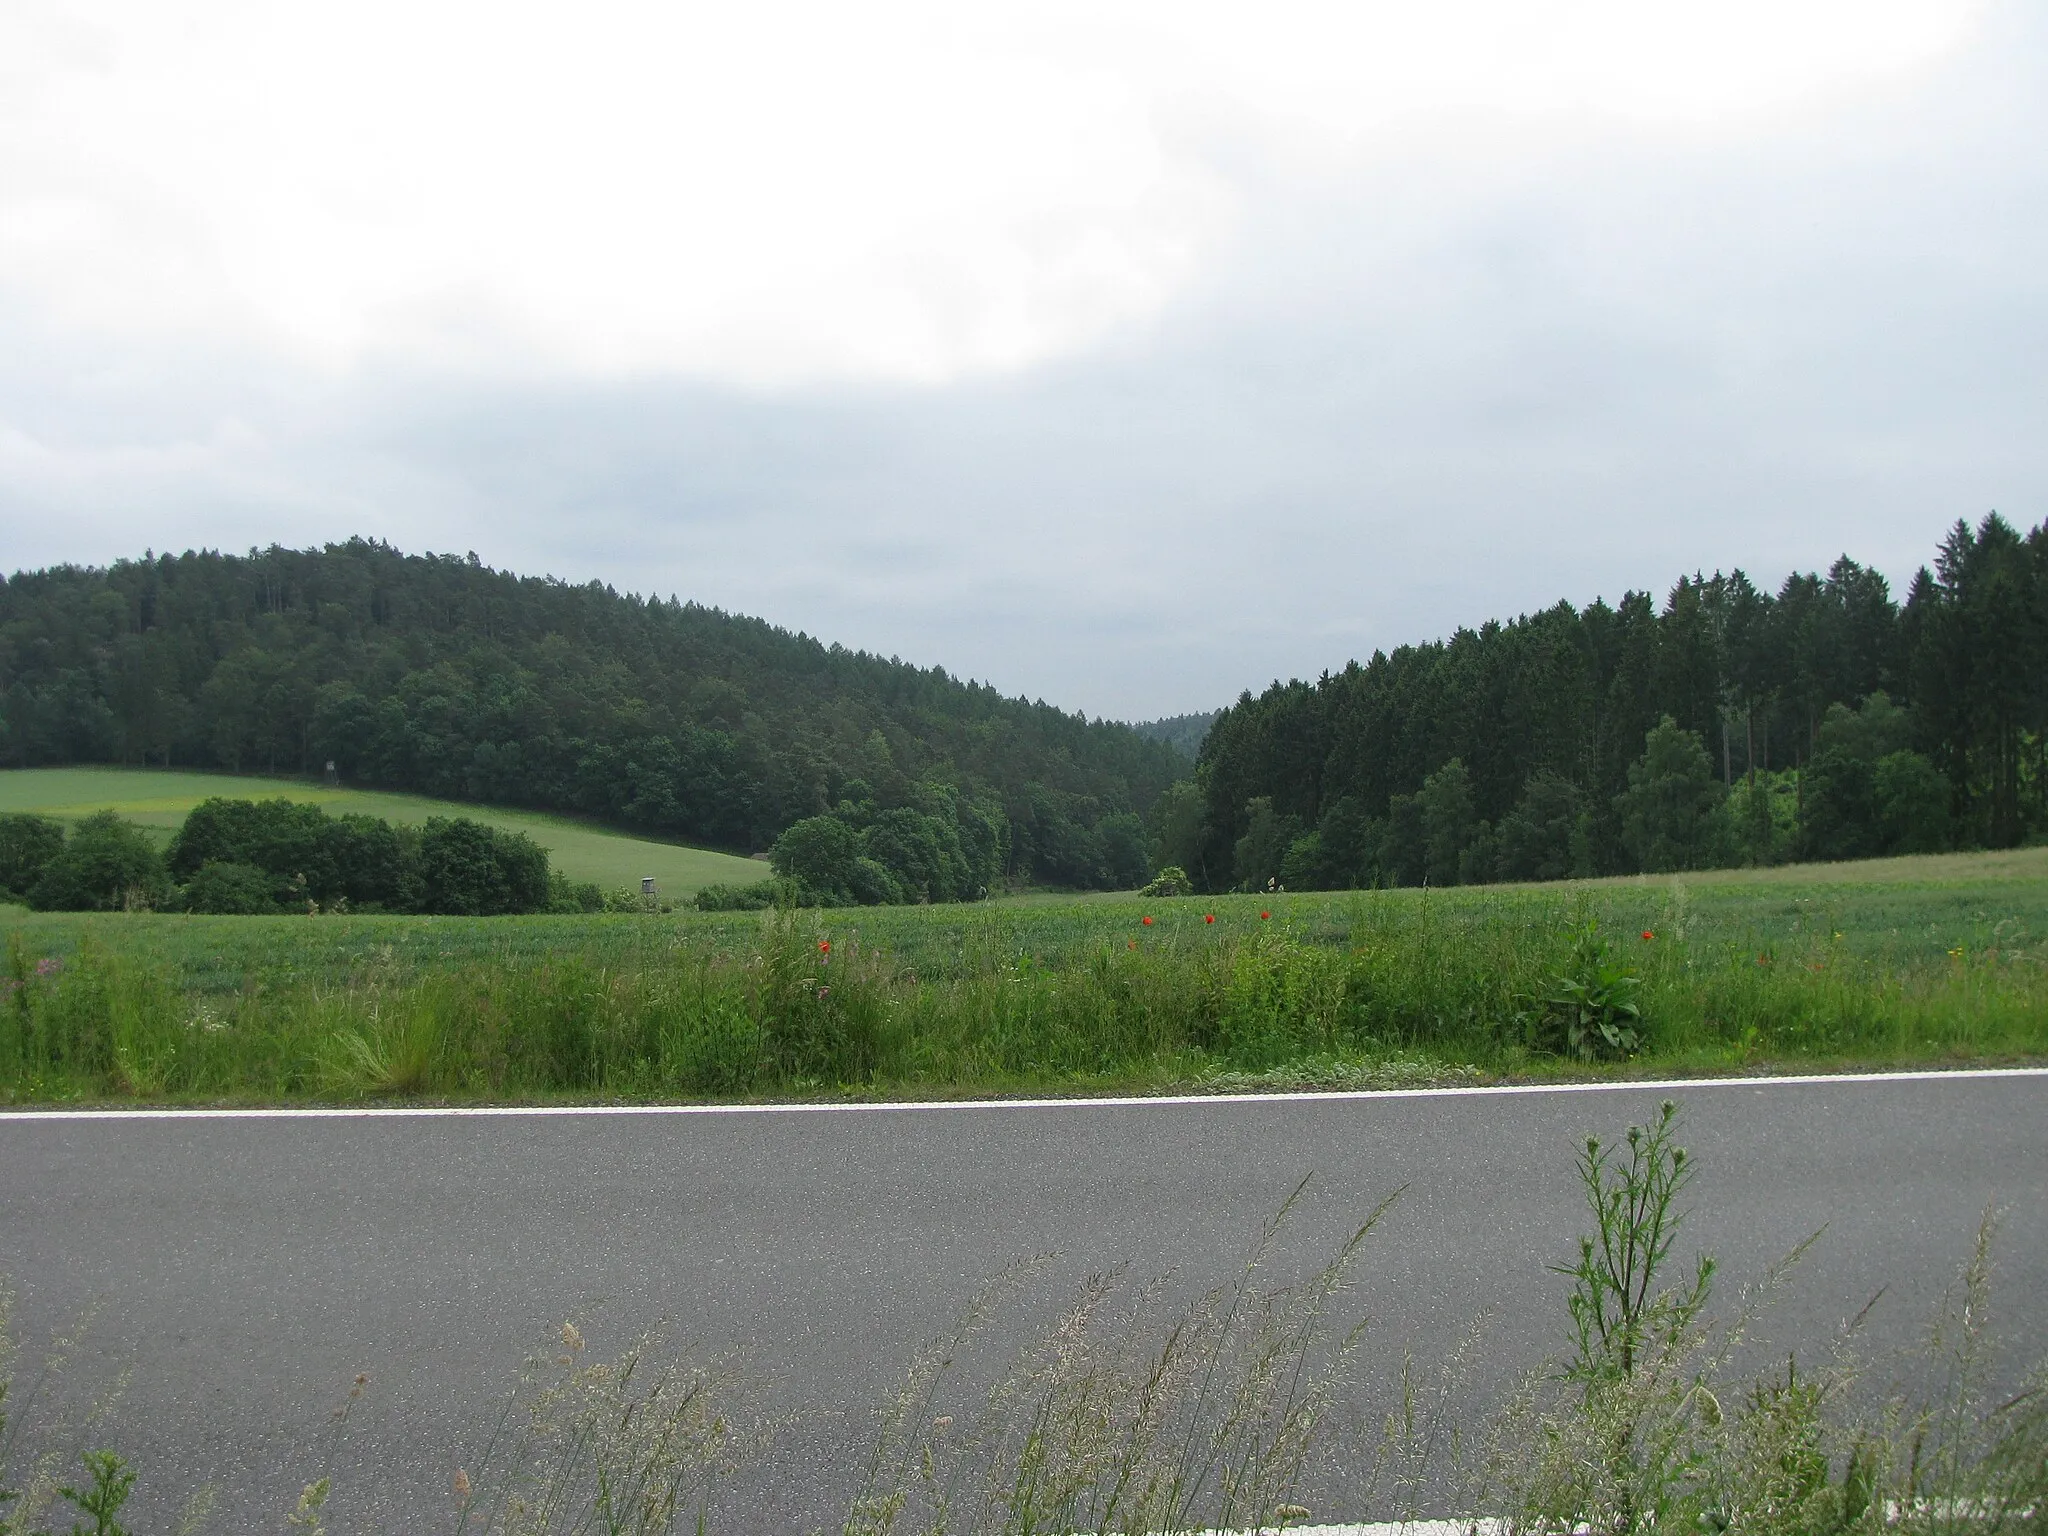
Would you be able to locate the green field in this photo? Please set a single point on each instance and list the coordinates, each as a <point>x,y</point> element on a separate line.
<point>1942,960</point>
<point>160,798</point>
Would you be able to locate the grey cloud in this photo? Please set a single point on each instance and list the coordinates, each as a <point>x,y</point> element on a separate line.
<point>1385,412</point>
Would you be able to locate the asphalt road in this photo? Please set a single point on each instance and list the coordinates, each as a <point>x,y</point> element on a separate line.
<point>245,1269</point>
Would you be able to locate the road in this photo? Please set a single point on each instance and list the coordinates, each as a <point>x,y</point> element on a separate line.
<point>245,1269</point>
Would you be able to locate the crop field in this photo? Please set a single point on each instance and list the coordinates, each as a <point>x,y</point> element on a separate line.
<point>160,798</point>
<point>1945,962</point>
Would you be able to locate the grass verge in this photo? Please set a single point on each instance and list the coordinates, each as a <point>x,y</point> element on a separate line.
<point>1382,989</point>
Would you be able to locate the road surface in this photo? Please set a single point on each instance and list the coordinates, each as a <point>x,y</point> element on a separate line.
<point>246,1268</point>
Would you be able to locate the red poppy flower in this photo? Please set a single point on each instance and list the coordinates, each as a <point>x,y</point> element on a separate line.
<point>1648,935</point>
<point>1264,915</point>
<point>824,946</point>
<point>1146,921</point>
<point>1208,917</point>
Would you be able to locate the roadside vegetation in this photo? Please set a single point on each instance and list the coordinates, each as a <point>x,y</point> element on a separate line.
<point>1387,988</point>
<point>1129,1415</point>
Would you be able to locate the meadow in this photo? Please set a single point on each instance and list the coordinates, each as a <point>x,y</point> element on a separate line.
<point>1944,962</point>
<point>159,799</point>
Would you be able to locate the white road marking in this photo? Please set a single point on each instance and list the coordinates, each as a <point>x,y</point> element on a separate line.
<point>548,1111</point>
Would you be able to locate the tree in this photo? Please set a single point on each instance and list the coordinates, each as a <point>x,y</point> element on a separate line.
<point>27,844</point>
<point>1126,851</point>
<point>819,854</point>
<point>1669,812</point>
<point>1839,807</point>
<point>1541,838</point>
<point>1912,804</point>
<point>106,865</point>
<point>1448,823</point>
<point>467,869</point>
<point>1263,848</point>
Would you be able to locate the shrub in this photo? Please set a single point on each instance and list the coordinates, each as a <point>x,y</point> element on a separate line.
<point>566,895</point>
<point>739,898</point>
<point>107,865</point>
<point>1170,881</point>
<point>239,889</point>
<point>467,869</point>
<point>27,844</point>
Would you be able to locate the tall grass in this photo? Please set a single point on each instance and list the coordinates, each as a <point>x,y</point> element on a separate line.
<point>800,1002</point>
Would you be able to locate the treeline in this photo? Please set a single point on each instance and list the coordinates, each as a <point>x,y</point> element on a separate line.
<point>1727,726</point>
<point>438,675</point>
<point>267,856</point>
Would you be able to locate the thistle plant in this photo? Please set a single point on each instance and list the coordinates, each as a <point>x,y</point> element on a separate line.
<point>1617,1312</point>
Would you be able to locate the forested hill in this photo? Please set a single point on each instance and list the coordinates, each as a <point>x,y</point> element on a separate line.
<point>1825,721</point>
<point>438,674</point>
<point>1183,733</point>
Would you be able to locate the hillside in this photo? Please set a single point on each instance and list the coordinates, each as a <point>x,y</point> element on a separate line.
<point>435,675</point>
<point>1728,725</point>
<point>159,799</point>
<point>1184,733</point>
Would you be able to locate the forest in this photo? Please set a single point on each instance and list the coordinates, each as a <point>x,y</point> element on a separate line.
<point>439,675</point>
<point>1727,726</point>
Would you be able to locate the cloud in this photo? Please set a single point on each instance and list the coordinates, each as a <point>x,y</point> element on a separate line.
<point>1125,356</point>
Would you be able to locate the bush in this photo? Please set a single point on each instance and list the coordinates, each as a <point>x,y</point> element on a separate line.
<point>27,844</point>
<point>466,869</point>
<point>739,898</point>
<point>280,836</point>
<point>231,889</point>
<point>1170,881</point>
<point>566,895</point>
<point>108,865</point>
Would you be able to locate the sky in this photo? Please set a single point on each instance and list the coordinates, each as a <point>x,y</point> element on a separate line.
<point>1121,355</point>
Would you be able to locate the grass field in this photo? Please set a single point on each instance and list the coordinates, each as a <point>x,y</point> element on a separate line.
<point>1946,961</point>
<point>159,799</point>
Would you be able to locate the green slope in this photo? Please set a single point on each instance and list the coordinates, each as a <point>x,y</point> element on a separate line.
<point>160,798</point>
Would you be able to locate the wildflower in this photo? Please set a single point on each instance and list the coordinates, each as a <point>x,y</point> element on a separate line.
<point>1208,917</point>
<point>1146,921</point>
<point>461,1483</point>
<point>1265,916</point>
<point>824,946</point>
<point>49,965</point>
<point>1648,935</point>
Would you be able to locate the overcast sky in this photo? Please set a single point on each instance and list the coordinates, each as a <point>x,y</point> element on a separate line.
<point>1123,355</point>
